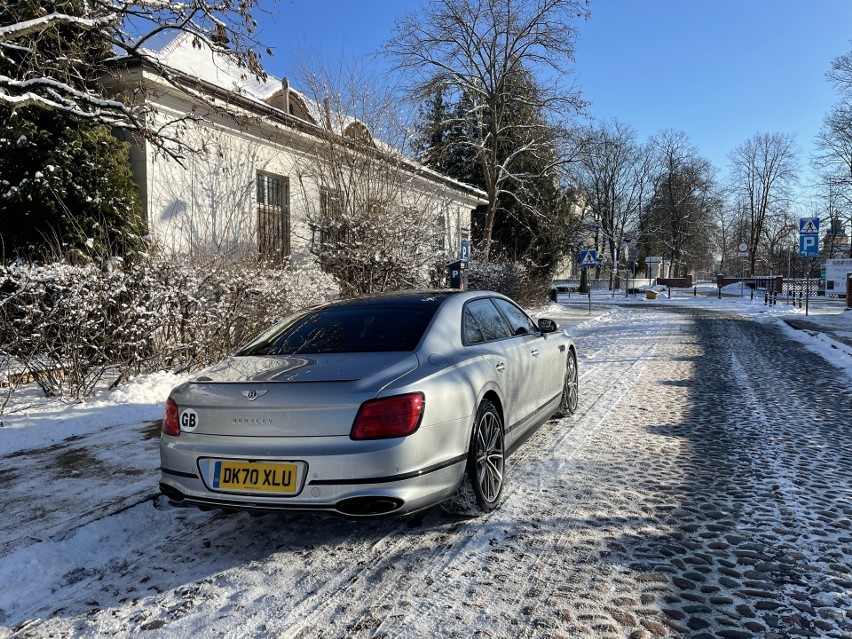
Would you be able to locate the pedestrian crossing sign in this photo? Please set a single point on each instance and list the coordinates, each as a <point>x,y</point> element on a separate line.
<point>588,258</point>
<point>808,225</point>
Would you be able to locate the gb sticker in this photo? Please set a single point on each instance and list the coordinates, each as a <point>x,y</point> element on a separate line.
<point>188,420</point>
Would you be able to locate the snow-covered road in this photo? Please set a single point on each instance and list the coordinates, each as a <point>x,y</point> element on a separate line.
<point>703,489</point>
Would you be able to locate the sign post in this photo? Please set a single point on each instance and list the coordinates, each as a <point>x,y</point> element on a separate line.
<point>742,252</point>
<point>634,258</point>
<point>809,247</point>
<point>589,259</point>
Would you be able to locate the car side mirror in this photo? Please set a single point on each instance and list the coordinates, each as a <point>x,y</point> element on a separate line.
<point>547,326</point>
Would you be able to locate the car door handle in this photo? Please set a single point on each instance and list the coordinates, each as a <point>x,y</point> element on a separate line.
<point>500,367</point>
<point>534,352</point>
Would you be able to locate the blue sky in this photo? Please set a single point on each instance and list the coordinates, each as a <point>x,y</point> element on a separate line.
<point>719,70</point>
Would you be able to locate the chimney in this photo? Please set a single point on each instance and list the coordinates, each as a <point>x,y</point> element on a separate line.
<point>220,36</point>
<point>285,93</point>
<point>327,106</point>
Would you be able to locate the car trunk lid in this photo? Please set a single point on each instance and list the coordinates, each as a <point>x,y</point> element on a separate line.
<point>310,396</point>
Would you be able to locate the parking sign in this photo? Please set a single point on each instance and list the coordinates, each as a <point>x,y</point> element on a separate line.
<point>808,245</point>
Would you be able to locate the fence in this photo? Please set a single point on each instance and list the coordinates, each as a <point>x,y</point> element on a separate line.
<point>572,285</point>
<point>803,287</point>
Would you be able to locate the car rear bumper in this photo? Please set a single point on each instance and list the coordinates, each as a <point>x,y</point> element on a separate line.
<point>338,476</point>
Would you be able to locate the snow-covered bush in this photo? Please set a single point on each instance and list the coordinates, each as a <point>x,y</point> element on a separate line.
<point>210,309</point>
<point>371,253</point>
<point>70,327</point>
<point>67,325</point>
<point>509,278</point>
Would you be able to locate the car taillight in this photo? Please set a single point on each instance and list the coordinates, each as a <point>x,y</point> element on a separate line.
<point>388,417</point>
<point>171,425</point>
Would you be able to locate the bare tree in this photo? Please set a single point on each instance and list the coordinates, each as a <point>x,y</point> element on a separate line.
<point>763,171</point>
<point>375,224</point>
<point>833,155</point>
<point>38,67</point>
<point>612,171</point>
<point>840,74</point>
<point>473,49</point>
<point>679,217</point>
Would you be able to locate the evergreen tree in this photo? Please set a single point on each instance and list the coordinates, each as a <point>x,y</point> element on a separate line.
<point>534,224</point>
<point>65,186</point>
<point>65,182</point>
<point>479,48</point>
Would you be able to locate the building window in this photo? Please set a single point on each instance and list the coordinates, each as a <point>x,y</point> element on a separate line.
<point>332,229</point>
<point>441,234</point>
<point>273,216</point>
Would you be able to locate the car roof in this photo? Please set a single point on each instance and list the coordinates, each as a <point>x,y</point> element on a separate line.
<point>397,298</point>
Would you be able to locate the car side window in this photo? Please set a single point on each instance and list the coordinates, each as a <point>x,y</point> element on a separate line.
<point>519,323</point>
<point>472,334</point>
<point>487,319</point>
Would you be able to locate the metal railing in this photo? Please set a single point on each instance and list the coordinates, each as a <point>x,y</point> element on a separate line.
<point>601,284</point>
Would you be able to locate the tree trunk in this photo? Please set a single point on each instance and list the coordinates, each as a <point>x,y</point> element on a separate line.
<point>488,225</point>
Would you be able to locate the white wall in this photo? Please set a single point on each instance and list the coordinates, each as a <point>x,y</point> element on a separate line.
<point>207,202</point>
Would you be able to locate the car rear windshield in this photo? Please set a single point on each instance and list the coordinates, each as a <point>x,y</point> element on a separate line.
<point>346,329</point>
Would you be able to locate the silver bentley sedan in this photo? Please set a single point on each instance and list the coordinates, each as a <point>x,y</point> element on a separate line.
<point>370,407</point>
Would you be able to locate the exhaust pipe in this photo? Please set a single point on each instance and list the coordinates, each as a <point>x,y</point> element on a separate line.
<point>173,494</point>
<point>369,506</point>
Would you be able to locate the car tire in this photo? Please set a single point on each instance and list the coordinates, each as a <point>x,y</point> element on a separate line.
<point>481,486</point>
<point>571,388</point>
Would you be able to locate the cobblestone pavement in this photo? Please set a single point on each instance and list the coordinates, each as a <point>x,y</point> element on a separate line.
<point>737,522</point>
<point>703,490</point>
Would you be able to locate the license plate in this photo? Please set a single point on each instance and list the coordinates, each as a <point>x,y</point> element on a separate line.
<point>255,477</point>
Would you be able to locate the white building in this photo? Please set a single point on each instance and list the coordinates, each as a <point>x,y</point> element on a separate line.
<point>256,181</point>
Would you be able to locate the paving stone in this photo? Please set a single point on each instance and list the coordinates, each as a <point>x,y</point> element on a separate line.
<point>625,602</point>
<point>729,583</point>
<point>730,633</point>
<point>697,623</point>
<point>654,627</point>
<point>693,596</point>
<point>623,617</point>
<point>754,626</point>
<point>745,610</point>
<point>683,584</point>
<point>675,614</point>
<point>694,576</point>
<point>765,594</point>
<point>695,609</point>
<point>767,567</point>
<point>805,608</point>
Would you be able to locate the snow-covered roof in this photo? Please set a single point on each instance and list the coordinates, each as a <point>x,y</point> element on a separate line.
<point>194,58</point>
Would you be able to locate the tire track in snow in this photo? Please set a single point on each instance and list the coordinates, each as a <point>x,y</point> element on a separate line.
<point>384,591</point>
<point>568,438</point>
<point>325,606</point>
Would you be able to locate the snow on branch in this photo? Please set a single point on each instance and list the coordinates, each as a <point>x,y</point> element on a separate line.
<point>37,25</point>
<point>67,63</point>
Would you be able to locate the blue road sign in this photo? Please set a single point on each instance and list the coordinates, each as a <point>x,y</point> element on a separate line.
<point>465,251</point>
<point>588,258</point>
<point>808,245</point>
<point>808,225</point>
